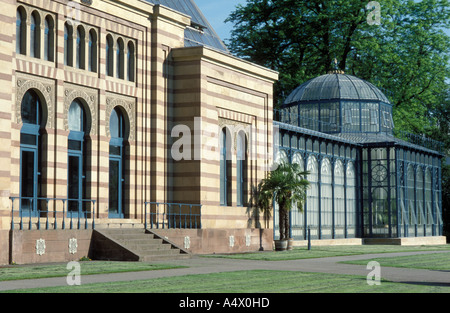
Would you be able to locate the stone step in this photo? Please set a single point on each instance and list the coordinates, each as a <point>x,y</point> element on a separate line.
<point>144,245</point>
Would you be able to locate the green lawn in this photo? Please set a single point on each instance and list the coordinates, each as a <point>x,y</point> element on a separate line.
<point>87,268</point>
<point>328,251</point>
<point>434,261</point>
<point>257,281</point>
<point>249,281</point>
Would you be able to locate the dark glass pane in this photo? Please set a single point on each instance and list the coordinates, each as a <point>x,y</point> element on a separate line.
<point>74,182</point>
<point>114,190</point>
<point>114,124</point>
<point>114,150</point>
<point>27,182</point>
<point>75,145</point>
<point>76,116</point>
<point>30,104</point>
<point>27,139</point>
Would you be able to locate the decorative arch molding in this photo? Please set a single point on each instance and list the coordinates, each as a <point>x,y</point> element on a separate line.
<point>234,127</point>
<point>89,98</point>
<point>46,91</point>
<point>128,106</point>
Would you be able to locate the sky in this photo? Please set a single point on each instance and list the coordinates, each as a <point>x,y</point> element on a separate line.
<point>216,11</point>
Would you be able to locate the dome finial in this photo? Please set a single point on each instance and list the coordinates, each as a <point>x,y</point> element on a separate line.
<point>336,68</point>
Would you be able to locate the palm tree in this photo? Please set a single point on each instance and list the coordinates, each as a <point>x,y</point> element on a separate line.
<point>287,186</point>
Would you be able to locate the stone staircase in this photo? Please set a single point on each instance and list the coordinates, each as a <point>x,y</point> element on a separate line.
<point>134,244</point>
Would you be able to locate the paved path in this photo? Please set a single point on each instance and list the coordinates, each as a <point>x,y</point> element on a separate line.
<point>201,265</point>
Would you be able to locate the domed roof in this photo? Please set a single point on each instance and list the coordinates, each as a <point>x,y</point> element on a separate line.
<point>336,86</point>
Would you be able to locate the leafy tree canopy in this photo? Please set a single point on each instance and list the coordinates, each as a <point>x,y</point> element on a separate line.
<point>406,55</point>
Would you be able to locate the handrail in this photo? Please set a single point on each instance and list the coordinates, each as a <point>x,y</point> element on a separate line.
<point>71,215</point>
<point>172,215</point>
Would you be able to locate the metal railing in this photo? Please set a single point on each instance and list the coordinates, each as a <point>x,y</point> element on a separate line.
<point>53,211</point>
<point>172,215</point>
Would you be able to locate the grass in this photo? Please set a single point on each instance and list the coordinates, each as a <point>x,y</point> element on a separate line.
<point>328,251</point>
<point>256,281</point>
<point>434,261</point>
<point>87,268</point>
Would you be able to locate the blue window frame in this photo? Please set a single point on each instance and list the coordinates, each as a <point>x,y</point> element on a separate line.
<point>20,31</point>
<point>241,169</point>
<point>225,167</point>
<point>30,153</point>
<point>116,167</point>
<point>76,158</point>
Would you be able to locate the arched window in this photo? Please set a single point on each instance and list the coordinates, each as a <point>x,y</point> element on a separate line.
<point>410,214</point>
<point>68,45</point>
<point>298,217</point>
<point>30,152</point>
<point>428,201</point>
<point>351,199</point>
<point>241,169</point>
<point>326,198</point>
<point>35,27</point>
<point>339,198</point>
<point>131,62</point>
<point>420,201</point>
<point>49,41</point>
<point>225,167</point>
<point>109,56</point>
<point>80,50</point>
<point>21,31</point>
<point>76,158</point>
<point>92,58</point>
<point>116,164</point>
<point>120,58</point>
<point>312,196</point>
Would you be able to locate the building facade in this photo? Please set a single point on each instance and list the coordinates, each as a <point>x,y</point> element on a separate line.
<point>113,110</point>
<point>367,180</point>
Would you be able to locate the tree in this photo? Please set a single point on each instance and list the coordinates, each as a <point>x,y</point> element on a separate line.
<point>287,186</point>
<point>406,55</point>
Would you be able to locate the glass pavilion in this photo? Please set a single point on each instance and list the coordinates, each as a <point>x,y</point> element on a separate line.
<point>367,179</point>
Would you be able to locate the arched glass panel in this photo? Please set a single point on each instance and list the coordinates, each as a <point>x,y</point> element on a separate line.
<point>20,31</point>
<point>76,116</point>
<point>225,167</point>
<point>241,168</point>
<point>80,49</point>
<point>131,62</point>
<point>116,165</point>
<point>109,56</point>
<point>68,45</point>
<point>339,199</point>
<point>326,198</point>
<point>48,39</point>
<point>351,200</point>
<point>120,58</point>
<point>428,201</point>
<point>298,217</point>
<point>312,195</point>
<point>34,35</point>
<point>76,159</point>
<point>29,153</point>
<point>420,202</point>
<point>409,217</point>
<point>92,58</point>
